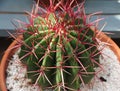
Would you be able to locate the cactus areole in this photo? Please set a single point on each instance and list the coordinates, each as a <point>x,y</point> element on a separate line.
<point>59,48</point>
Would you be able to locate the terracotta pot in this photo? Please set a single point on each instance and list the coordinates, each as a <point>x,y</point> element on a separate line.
<point>9,53</point>
<point>4,62</point>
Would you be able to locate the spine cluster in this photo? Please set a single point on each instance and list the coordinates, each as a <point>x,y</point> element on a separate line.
<point>59,48</point>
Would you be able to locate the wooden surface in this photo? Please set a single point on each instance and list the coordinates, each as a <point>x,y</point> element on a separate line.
<point>15,9</point>
<point>16,6</point>
<point>110,12</point>
<point>11,10</point>
<point>106,6</point>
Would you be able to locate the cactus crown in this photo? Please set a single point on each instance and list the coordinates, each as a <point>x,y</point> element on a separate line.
<point>59,47</point>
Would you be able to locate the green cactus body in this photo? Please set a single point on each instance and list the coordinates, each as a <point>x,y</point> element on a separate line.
<point>56,50</point>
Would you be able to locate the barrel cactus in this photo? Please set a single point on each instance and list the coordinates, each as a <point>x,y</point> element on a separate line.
<point>59,47</point>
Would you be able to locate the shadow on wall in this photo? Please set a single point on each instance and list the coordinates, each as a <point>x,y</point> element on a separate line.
<point>4,43</point>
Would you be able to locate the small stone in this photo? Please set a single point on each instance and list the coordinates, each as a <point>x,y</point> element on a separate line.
<point>103,79</point>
